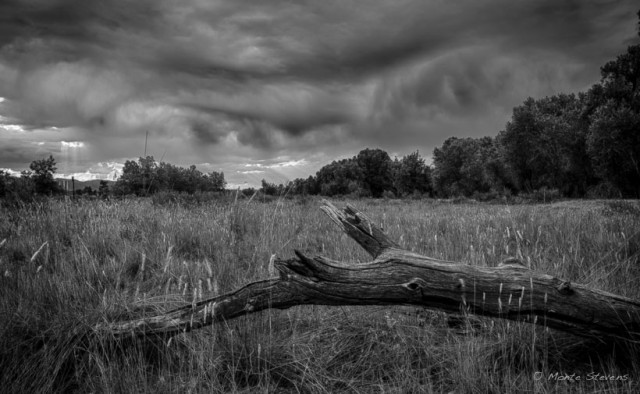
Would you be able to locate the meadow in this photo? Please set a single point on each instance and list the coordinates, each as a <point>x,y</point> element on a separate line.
<point>68,265</point>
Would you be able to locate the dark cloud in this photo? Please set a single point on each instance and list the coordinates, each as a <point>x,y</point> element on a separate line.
<point>205,132</point>
<point>235,79</point>
<point>86,22</point>
<point>293,108</point>
<point>258,134</point>
<point>15,153</point>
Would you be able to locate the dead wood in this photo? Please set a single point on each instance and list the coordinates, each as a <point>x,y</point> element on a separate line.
<point>400,277</point>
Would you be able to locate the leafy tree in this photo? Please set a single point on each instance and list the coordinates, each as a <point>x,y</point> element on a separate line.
<point>464,166</point>
<point>103,189</point>
<point>271,189</point>
<point>449,163</point>
<point>412,175</point>
<point>614,147</point>
<point>16,189</point>
<point>215,181</point>
<point>131,179</point>
<point>376,166</point>
<point>614,133</point>
<point>298,187</point>
<point>167,175</point>
<point>311,185</point>
<point>146,176</point>
<point>248,192</point>
<point>43,171</point>
<point>621,77</point>
<point>341,178</point>
<point>572,143</point>
<point>148,172</point>
<point>307,186</point>
<point>544,144</point>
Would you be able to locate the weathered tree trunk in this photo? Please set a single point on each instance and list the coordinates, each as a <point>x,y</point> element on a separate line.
<point>397,276</point>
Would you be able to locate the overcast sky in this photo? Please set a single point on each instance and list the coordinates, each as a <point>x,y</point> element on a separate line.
<point>276,89</point>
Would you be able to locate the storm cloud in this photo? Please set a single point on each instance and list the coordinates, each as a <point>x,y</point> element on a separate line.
<point>226,82</point>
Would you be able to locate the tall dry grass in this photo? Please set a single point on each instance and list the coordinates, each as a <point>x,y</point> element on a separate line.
<point>68,265</point>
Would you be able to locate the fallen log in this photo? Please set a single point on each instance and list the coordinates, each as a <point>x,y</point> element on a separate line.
<point>399,277</point>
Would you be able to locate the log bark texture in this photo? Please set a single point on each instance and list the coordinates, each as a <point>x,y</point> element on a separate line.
<point>399,277</point>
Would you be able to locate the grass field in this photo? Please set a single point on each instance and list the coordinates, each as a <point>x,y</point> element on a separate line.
<point>66,266</point>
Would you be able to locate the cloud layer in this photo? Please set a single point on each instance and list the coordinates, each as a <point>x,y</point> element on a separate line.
<point>233,82</point>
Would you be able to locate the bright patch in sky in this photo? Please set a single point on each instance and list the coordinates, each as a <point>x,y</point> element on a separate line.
<point>10,171</point>
<point>72,144</point>
<point>12,127</point>
<point>251,172</point>
<point>290,163</point>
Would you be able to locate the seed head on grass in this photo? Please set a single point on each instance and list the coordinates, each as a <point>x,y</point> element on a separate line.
<point>35,255</point>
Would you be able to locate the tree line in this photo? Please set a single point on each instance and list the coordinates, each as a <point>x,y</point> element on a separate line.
<point>574,145</point>
<point>38,179</point>
<point>371,173</point>
<point>142,177</point>
<point>146,177</point>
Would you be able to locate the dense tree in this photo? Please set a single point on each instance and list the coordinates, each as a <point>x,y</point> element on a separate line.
<point>146,176</point>
<point>15,189</point>
<point>214,181</point>
<point>130,181</point>
<point>495,175</point>
<point>341,178</point>
<point>42,175</point>
<point>464,166</point>
<point>376,166</point>
<point>614,133</point>
<point>149,175</point>
<point>103,189</point>
<point>301,186</point>
<point>621,77</point>
<point>572,143</point>
<point>271,189</point>
<point>544,144</point>
<point>614,147</point>
<point>412,175</point>
<point>311,185</point>
<point>298,187</point>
